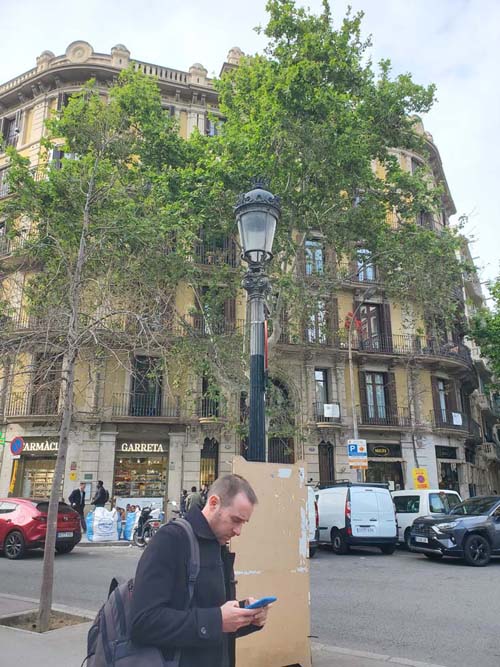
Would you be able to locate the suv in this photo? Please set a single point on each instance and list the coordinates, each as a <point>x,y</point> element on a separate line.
<point>470,531</point>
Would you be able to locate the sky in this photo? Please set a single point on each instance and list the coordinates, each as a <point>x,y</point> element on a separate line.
<point>452,43</point>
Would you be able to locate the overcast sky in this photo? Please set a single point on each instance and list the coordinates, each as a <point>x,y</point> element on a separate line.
<point>452,43</point>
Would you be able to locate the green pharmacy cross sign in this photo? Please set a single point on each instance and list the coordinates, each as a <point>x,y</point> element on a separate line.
<point>2,438</point>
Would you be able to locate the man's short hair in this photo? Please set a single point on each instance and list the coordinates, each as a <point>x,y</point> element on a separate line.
<point>229,486</point>
<point>193,489</point>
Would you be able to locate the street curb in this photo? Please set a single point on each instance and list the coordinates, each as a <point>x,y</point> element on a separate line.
<point>326,648</point>
<point>75,611</point>
<point>121,543</point>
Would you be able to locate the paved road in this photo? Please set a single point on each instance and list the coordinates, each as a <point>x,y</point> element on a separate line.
<point>402,605</point>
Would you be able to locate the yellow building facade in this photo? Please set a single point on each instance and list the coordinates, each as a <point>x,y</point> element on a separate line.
<point>418,401</point>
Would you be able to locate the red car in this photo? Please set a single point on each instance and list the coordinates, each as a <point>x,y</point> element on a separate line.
<point>23,525</point>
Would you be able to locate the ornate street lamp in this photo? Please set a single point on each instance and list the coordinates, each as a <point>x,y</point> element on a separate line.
<point>257,213</point>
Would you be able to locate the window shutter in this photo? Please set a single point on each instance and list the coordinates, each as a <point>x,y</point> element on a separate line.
<point>18,121</point>
<point>230,312</point>
<point>2,128</point>
<point>435,398</point>
<point>452,396</point>
<point>385,310</point>
<point>60,102</point>
<point>363,399</point>
<point>392,397</point>
<point>333,321</point>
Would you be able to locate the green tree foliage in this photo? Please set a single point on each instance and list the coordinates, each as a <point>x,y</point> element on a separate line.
<point>485,331</point>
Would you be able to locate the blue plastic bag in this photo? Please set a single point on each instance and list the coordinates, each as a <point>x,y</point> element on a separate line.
<point>90,526</point>
<point>129,525</point>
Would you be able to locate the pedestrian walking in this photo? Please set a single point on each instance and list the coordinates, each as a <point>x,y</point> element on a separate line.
<point>101,495</point>
<point>194,499</point>
<point>77,501</point>
<point>204,495</point>
<point>204,631</point>
<point>183,505</point>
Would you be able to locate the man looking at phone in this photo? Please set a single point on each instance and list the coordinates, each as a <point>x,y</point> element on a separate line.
<point>205,632</point>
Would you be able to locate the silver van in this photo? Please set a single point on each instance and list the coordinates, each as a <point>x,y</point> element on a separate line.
<point>352,514</point>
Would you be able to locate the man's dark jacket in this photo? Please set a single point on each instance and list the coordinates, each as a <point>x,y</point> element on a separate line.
<point>159,614</point>
<point>99,499</point>
<point>77,500</point>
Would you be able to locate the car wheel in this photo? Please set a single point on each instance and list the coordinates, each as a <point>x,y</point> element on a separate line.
<point>387,549</point>
<point>312,552</point>
<point>433,556</point>
<point>407,539</point>
<point>339,544</point>
<point>477,551</point>
<point>64,548</point>
<point>14,546</point>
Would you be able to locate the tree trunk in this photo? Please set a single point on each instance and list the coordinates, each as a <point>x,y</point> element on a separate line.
<point>68,380</point>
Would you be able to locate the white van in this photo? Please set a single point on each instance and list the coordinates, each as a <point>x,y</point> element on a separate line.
<point>413,503</point>
<point>353,514</point>
<point>312,521</point>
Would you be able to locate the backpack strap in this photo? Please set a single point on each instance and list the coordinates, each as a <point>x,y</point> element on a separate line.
<point>193,572</point>
<point>194,558</point>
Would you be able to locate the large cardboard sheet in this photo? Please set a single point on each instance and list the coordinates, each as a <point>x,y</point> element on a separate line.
<point>271,559</point>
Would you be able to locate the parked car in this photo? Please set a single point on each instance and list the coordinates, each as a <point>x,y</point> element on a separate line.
<point>470,531</point>
<point>352,514</point>
<point>413,503</point>
<point>23,525</point>
<point>312,521</point>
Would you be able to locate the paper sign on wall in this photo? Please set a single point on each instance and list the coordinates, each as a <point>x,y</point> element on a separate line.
<point>420,478</point>
<point>331,410</point>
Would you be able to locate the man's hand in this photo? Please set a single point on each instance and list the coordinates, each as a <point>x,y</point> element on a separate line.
<point>260,615</point>
<point>234,618</point>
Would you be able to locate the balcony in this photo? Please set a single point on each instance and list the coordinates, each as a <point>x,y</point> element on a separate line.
<point>200,325</point>
<point>211,409</point>
<point>130,404</point>
<point>326,414</point>
<point>490,450</point>
<point>217,253</point>
<point>43,403</point>
<point>384,416</point>
<point>453,420</point>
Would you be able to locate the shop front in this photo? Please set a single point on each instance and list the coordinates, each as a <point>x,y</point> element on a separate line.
<point>385,465</point>
<point>33,471</point>
<point>140,474</point>
<point>448,468</point>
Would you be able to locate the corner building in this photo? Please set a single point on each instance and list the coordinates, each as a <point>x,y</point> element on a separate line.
<point>420,400</point>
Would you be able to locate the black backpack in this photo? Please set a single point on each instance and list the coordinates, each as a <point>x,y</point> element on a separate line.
<point>108,640</point>
<point>106,495</point>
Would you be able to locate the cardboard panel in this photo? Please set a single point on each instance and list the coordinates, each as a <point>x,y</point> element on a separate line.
<point>272,559</point>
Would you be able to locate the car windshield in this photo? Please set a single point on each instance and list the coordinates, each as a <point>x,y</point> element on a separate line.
<point>475,506</point>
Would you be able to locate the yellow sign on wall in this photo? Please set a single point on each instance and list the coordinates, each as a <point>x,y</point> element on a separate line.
<point>72,475</point>
<point>420,478</point>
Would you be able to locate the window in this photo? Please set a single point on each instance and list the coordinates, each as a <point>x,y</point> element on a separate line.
<point>314,257</point>
<point>470,455</point>
<point>147,380</point>
<point>442,396</point>
<point>424,219</point>
<point>365,268</point>
<point>11,130</point>
<point>316,327</point>
<point>209,461</point>
<point>46,385</point>
<point>407,504</point>
<point>4,186</point>
<point>281,450</point>
<point>212,127</point>
<point>326,463</point>
<point>7,508</point>
<point>415,165</point>
<point>375,396</point>
<point>371,326</point>
<point>321,385</point>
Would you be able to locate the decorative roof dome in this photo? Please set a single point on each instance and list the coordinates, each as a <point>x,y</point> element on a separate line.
<point>199,67</point>
<point>120,47</point>
<point>234,56</point>
<point>47,54</point>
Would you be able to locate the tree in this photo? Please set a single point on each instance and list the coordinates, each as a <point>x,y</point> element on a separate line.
<point>485,330</point>
<point>95,248</point>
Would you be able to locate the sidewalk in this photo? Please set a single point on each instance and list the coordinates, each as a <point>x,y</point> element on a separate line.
<point>66,647</point>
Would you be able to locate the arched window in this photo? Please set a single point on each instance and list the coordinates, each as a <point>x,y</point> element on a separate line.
<point>209,461</point>
<point>326,463</point>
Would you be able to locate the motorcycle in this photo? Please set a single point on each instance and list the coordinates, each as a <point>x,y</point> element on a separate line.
<point>147,525</point>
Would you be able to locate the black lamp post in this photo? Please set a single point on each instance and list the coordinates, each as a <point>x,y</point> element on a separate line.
<point>257,213</point>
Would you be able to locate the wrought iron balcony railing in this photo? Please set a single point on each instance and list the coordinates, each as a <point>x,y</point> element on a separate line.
<point>211,408</point>
<point>43,402</point>
<point>455,420</point>
<point>213,253</point>
<point>327,413</point>
<point>384,415</point>
<point>136,404</point>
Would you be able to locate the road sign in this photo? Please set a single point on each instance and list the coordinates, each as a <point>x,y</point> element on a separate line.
<point>72,475</point>
<point>16,446</point>
<point>357,453</point>
<point>420,478</point>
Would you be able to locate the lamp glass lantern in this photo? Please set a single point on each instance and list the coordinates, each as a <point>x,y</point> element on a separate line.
<point>257,213</point>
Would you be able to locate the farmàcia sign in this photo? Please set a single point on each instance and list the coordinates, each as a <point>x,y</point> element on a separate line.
<point>40,445</point>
